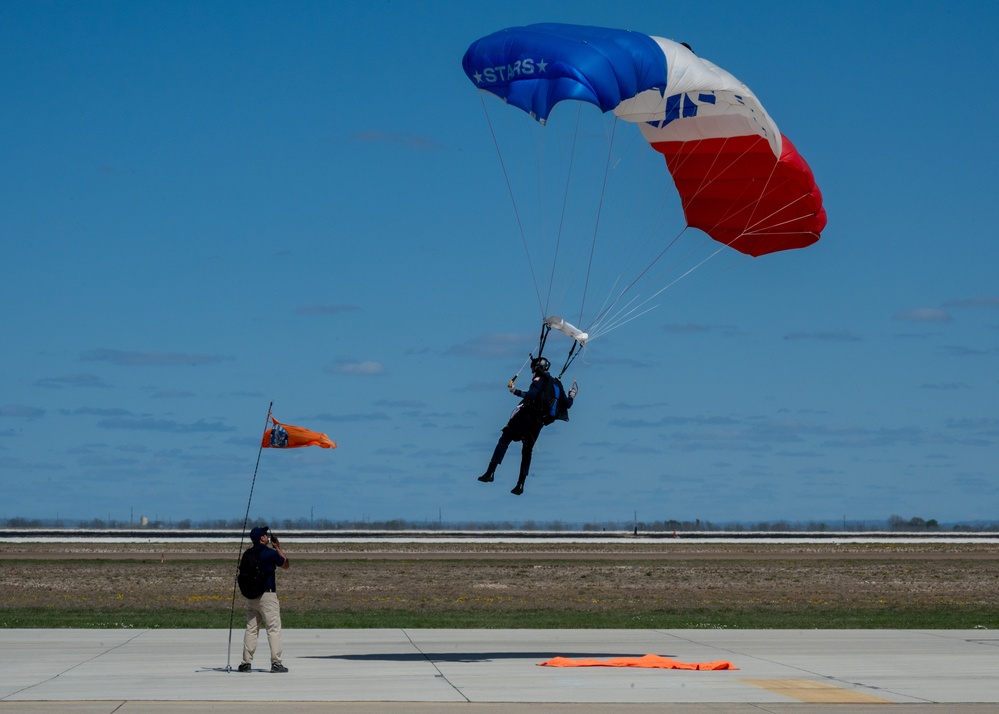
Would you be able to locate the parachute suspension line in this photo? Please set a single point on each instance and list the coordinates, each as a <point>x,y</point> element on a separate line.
<point>572,355</point>
<point>752,221</point>
<point>706,182</point>
<point>513,200</point>
<point>626,314</point>
<point>545,329</point>
<point>752,216</point>
<point>596,223</point>
<point>618,318</point>
<point>751,229</point>
<point>626,317</point>
<point>630,285</point>
<point>714,162</point>
<point>565,203</point>
<point>629,312</point>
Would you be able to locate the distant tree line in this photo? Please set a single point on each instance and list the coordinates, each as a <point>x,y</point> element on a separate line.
<point>894,523</point>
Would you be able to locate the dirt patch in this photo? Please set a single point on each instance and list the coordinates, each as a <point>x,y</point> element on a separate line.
<point>459,577</point>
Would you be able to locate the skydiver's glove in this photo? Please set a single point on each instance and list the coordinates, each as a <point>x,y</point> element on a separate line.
<point>513,389</point>
<point>573,390</point>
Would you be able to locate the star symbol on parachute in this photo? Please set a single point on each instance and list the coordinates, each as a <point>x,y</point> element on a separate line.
<point>478,77</point>
<point>541,66</point>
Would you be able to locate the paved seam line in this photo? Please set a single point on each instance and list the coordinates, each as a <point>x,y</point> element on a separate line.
<point>439,673</point>
<point>737,654</point>
<point>78,664</point>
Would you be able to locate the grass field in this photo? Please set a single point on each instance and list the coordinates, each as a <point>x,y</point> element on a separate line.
<point>668,585</point>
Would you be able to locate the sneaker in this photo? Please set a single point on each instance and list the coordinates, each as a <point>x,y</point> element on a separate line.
<point>486,477</point>
<point>278,667</point>
<point>245,667</point>
<point>518,489</point>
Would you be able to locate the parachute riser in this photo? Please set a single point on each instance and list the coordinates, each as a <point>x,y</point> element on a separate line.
<point>546,327</point>
<point>568,360</point>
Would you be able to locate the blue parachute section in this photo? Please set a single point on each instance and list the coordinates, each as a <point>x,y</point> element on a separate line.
<point>538,66</point>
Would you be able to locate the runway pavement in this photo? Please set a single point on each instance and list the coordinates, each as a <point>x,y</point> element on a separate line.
<point>490,671</point>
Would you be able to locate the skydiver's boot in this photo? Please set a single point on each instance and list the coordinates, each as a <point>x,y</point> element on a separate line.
<point>487,477</point>
<point>525,468</point>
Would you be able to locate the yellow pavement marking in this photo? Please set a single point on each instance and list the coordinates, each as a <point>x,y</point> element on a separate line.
<point>806,690</point>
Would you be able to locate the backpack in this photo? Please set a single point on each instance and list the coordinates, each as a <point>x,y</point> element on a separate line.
<point>252,577</point>
<point>555,408</point>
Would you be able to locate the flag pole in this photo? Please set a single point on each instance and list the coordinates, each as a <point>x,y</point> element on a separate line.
<point>246,519</point>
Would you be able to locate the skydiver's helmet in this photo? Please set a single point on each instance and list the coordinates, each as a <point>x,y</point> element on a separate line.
<point>540,365</point>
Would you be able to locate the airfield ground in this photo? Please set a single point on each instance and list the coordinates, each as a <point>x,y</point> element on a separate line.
<point>511,577</point>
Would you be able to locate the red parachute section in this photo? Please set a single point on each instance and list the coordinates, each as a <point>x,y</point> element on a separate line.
<point>735,190</point>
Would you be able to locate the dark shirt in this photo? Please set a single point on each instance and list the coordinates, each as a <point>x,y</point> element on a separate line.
<point>534,397</point>
<point>269,560</point>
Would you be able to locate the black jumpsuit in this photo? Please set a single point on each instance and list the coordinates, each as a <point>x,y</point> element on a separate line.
<point>526,423</point>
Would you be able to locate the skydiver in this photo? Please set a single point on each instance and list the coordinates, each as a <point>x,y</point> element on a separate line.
<point>540,405</point>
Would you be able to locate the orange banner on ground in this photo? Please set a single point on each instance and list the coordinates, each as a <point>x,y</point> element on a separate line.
<point>652,661</point>
<point>286,436</point>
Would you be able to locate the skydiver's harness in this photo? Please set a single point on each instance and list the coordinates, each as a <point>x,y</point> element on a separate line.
<point>548,406</point>
<point>560,394</point>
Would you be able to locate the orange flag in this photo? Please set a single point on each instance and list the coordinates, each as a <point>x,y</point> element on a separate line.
<point>286,436</point>
<point>649,660</point>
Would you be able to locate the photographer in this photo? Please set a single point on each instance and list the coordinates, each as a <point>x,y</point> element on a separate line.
<point>265,608</point>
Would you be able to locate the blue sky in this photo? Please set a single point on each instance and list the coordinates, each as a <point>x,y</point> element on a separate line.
<point>206,207</point>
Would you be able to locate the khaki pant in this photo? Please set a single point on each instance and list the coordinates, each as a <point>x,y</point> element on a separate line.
<point>267,609</point>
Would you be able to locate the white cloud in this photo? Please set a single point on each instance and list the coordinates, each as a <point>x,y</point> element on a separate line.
<point>362,368</point>
<point>923,314</point>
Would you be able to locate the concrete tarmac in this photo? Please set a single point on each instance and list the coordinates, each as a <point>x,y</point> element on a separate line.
<point>418,671</point>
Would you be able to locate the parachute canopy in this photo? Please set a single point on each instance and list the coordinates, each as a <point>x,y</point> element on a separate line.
<point>739,179</point>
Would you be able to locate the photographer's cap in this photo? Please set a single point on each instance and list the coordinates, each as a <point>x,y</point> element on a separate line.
<point>257,533</point>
